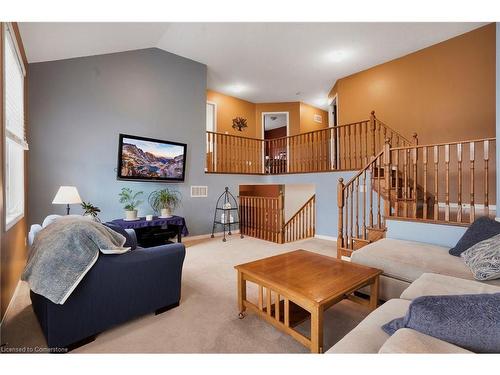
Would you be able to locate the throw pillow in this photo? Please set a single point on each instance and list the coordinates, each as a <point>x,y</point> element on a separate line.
<point>483,259</point>
<point>129,241</point>
<point>480,230</point>
<point>470,321</point>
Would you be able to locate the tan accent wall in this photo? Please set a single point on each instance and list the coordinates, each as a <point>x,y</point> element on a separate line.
<point>13,248</point>
<point>444,92</point>
<point>300,115</point>
<point>307,123</point>
<point>229,107</point>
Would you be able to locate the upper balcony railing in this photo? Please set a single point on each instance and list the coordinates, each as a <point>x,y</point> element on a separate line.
<point>343,147</point>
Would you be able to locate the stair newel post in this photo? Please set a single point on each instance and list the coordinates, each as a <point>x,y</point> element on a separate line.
<point>340,204</point>
<point>387,175</point>
<point>373,127</point>
<point>281,210</point>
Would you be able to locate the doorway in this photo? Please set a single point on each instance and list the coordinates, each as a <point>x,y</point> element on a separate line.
<point>275,129</point>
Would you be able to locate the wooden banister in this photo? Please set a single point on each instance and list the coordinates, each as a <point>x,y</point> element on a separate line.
<point>303,223</point>
<point>437,183</point>
<point>340,148</point>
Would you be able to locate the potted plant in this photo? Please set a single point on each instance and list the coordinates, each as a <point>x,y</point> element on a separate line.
<point>164,201</point>
<point>90,210</point>
<point>131,201</point>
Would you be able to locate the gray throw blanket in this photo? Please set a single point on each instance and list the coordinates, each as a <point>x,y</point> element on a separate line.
<point>64,252</point>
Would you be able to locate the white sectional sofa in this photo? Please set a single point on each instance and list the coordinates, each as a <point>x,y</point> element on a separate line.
<point>403,262</point>
<point>368,336</point>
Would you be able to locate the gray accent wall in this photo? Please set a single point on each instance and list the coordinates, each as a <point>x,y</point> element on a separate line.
<point>77,108</point>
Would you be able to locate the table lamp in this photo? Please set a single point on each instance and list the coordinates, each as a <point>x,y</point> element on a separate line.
<point>67,195</point>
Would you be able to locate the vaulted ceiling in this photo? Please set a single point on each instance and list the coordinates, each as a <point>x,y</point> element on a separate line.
<point>259,62</point>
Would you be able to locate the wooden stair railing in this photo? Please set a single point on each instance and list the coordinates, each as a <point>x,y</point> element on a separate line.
<point>234,154</point>
<point>359,216</point>
<point>303,223</point>
<point>263,217</point>
<point>444,183</point>
<point>344,147</point>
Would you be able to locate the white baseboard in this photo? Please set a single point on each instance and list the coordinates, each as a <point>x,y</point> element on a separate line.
<point>208,235</point>
<point>326,238</point>
<point>14,295</point>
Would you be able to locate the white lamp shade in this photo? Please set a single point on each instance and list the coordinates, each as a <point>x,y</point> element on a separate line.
<point>67,195</point>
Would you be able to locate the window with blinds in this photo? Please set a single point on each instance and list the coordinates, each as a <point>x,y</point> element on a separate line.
<point>15,142</point>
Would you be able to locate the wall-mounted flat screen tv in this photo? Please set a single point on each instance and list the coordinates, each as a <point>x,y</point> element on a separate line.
<point>149,159</point>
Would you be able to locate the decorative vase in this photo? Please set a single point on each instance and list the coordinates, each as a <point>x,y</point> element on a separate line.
<point>131,215</point>
<point>165,213</point>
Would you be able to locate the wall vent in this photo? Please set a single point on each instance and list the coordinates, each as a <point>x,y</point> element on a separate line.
<point>199,191</point>
<point>318,119</point>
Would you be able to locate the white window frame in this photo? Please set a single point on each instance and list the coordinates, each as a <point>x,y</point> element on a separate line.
<point>8,32</point>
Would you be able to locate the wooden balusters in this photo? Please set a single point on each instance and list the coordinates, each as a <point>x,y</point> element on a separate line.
<point>303,223</point>
<point>447,183</point>
<point>486,156</point>
<point>414,157</point>
<point>472,212</point>
<point>436,183</point>
<point>426,200</point>
<point>459,183</point>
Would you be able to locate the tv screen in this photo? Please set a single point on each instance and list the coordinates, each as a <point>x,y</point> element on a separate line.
<point>150,159</point>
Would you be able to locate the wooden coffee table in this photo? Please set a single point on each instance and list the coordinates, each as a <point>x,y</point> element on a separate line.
<point>301,284</point>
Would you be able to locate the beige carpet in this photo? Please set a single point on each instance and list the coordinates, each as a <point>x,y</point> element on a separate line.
<point>206,320</point>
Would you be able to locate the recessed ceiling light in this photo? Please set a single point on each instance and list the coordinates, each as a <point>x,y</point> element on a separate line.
<point>337,55</point>
<point>321,102</point>
<point>237,88</point>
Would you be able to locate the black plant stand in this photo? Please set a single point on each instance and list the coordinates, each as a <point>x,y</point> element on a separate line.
<point>222,202</point>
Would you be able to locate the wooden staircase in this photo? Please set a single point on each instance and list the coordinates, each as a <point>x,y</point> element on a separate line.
<point>263,217</point>
<point>438,183</point>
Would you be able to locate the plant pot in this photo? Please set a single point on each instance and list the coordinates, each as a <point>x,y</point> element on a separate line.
<point>131,215</point>
<point>165,212</point>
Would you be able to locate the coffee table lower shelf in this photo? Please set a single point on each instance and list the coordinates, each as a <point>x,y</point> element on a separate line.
<point>284,308</point>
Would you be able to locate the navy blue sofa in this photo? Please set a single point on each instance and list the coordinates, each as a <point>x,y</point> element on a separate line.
<point>117,288</point>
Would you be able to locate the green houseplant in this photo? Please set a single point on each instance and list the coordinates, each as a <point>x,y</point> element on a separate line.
<point>164,201</point>
<point>131,201</point>
<point>90,210</point>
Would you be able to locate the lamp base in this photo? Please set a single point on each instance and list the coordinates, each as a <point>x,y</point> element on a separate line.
<point>67,209</point>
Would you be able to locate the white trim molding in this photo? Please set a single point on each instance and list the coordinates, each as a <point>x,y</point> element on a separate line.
<point>326,238</point>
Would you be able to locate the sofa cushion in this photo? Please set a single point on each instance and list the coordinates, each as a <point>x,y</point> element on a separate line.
<point>408,260</point>
<point>407,340</point>
<point>469,321</point>
<point>431,284</point>
<point>368,336</point>
<point>480,230</point>
<point>483,259</point>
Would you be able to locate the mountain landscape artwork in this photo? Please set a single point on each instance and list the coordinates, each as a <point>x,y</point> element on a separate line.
<point>148,159</point>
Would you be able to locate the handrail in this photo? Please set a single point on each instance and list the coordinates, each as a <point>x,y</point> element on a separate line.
<point>490,139</point>
<point>303,223</point>
<point>300,209</point>
<point>353,178</point>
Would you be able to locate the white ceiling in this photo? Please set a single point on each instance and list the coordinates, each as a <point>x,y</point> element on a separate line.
<point>259,62</point>
<point>274,121</point>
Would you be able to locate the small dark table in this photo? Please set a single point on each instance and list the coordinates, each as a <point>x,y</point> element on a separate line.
<point>157,231</point>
